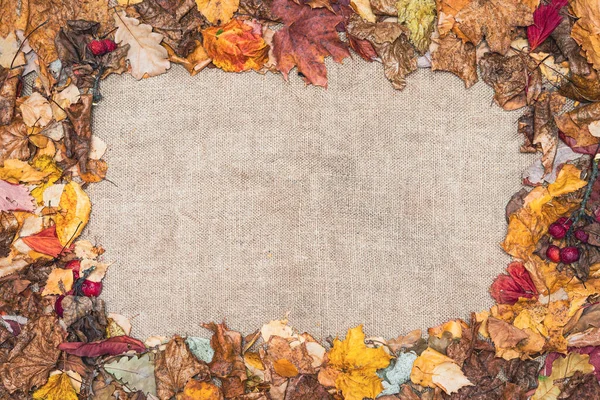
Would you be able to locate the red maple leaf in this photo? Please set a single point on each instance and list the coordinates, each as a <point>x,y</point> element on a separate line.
<point>545,19</point>
<point>308,37</point>
<point>507,289</point>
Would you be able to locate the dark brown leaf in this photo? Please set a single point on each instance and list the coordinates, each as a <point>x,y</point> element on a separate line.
<point>78,139</point>
<point>453,55</point>
<point>14,142</point>
<point>306,387</point>
<point>575,125</point>
<point>568,46</point>
<point>582,87</point>
<point>175,366</point>
<point>8,229</point>
<point>9,83</point>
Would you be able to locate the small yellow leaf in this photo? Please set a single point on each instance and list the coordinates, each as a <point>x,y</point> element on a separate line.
<point>218,12</point>
<point>58,387</point>
<point>74,213</point>
<point>196,390</point>
<point>363,8</point>
<point>16,171</point>
<point>59,281</point>
<point>285,368</point>
<point>425,364</point>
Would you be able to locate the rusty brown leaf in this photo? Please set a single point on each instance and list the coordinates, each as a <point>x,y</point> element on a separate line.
<point>453,55</point>
<point>78,139</point>
<point>14,142</point>
<point>8,229</point>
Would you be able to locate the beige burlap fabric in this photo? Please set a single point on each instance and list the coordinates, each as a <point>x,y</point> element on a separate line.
<point>246,197</point>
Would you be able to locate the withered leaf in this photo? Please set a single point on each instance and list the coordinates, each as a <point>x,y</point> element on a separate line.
<point>545,131</point>
<point>453,55</point>
<point>307,38</point>
<point>8,229</point>
<point>34,355</point>
<point>306,387</point>
<point>78,139</point>
<point>175,366</point>
<point>494,19</point>
<point>580,386</point>
<point>227,363</point>
<point>9,83</point>
<point>14,142</point>
<point>582,87</point>
<point>516,80</point>
<point>75,307</point>
<point>390,41</point>
<point>567,45</point>
<point>575,124</point>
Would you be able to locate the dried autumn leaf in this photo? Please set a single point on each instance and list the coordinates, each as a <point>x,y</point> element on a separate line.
<point>493,19</point>
<point>137,373</point>
<point>194,62</point>
<point>46,242</point>
<point>58,387</point>
<point>16,171</point>
<point>218,12</point>
<point>36,110</point>
<point>59,281</point>
<point>576,125</point>
<point>390,41</point>
<point>586,30</point>
<point>74,213</point>
<point>8,93</point>
<point>505,337</point>
<point>562,367</point>
<point>111,346</point>
<point>235,47</point>
<point>418,16</point>
<point>449,377</point>
<point>196,390</point>
<point>357,365</point>
<point>545,19</point>
<point>308,37</point>
<point>175,367</point>
<point>545,131</point>
<point>15,197</point>
<point>62,100</point>
<point>9,227</point>
<point>453,55</point>
<point>146,56</point>
<point>363,8</point>
<point>34,356</point>
<point>508,289</point>
<point>432,369</point>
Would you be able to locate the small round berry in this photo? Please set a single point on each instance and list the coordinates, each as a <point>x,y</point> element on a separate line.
<point>110,45</point>
<point>566,222</point>
<point>569,255</point>
<point>91,289</point>
<point>557,231</point>
<point>553,253</point>
<point>97,47</point>
<point>75,266</point>
<point>582,235</point>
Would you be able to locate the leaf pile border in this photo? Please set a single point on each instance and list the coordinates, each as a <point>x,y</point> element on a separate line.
<point>540,340</point>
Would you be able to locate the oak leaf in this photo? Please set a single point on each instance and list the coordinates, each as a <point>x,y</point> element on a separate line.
<point>146,56</point>
<point>34,356</point>
<point>357,365</point>
<point>390,41</point>
<point>586,30</point>
<point>74,213</point>
<point>58,387</point>
<point>174,367</point>
<point>493,19</point>
<point>307,38</point>
<point>453,55</point>
<point>218,12</point>
<point>59,281</point>
<point>235,47</point>
<point>137,373</point>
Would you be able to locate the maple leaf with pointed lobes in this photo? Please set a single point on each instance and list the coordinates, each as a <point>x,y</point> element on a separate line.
<point>309,36</point>
<point>545,19</point>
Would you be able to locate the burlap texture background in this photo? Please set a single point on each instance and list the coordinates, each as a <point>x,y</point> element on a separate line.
<point>245,197</point>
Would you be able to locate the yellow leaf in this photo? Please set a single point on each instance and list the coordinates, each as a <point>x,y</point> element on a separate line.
<point>357,365</point>
<point>193,62</point>
<point>363,8</point>
<point>74,213</point>
<point>568,181</point>
<point>58,387</point>
<point>586,30</point>
<point>449,377</point>
<point>285,368</point>
<point>562,367</point>
<point>454,327</point>
<point>218,12</point>
<point>16,171</point>
<point>425,364</point>
<point>59,281</point>
<point>46,164</point>
<point>195,390</point>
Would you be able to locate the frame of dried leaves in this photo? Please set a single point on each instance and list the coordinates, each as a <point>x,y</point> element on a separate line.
<point>541,339</point>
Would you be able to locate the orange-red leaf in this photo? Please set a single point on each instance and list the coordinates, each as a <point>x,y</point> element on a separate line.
<point>46,242</point>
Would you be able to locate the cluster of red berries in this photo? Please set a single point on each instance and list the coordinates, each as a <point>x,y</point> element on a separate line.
<point>569,254</point>
<point>86,288</point>
<point>101,47</point>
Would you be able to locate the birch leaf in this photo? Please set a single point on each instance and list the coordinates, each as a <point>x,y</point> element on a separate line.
<point>146,56</point>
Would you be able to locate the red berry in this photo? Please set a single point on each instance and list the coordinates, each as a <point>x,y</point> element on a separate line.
<point>582,235</point>
<point>110,45</point>
<point>97,47</point>
<point>569,255</point>
<point>557,231</point>
<point>74,265</point>
<point>91,289</point>
<point>566,222</point>
<point>553,253</point>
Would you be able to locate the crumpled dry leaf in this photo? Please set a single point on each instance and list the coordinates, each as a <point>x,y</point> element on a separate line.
<point>74,213</point>
<point>433,369</point>
<point>78,134</point>
<point>146,56</point>
<point>516,80</point>
<point>306,387</point>
<point>137,373</point>
<point>175,367</point>
<point>218,12</point>
<point>562,367</point>
<point>14,142</point>
<point>75,307</point>
<point>60,281</point>
<point>390,41</point>
<point>419,17</point>
<point>585,88</point>
<point>235,47</point>
<point>36,110</point>
<point>194,62</point>
<point>545,131</point>
<point>17,171</point>
<point>586,30</point>
<point>506,338</point>
<point>363,8</point>
<point>308,37</point>
<point>58,387</point>
<point>196,390</point>
<point>62,100</point>
<point>576,125</point>
<point>9,227</point>
<point>34,356</point>
<point>8,93</point>
<point>357,365</point>
<point>452,54</point>
<point>46,242</point>
<point>227,363</point>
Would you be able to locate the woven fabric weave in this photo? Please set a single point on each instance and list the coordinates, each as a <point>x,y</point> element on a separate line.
<point>246,197</point>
